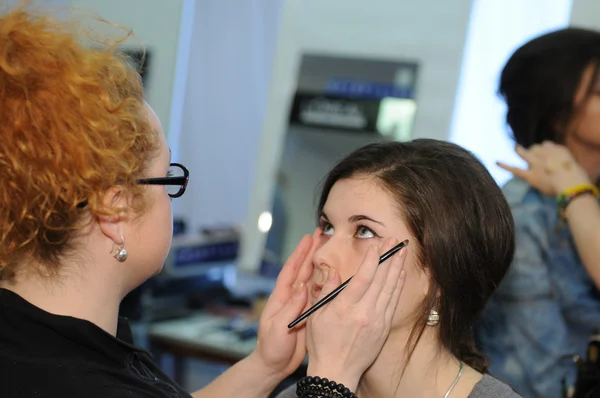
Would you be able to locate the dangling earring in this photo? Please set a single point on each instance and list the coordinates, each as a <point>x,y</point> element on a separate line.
<point>433,318</point>
<point>120,253</point>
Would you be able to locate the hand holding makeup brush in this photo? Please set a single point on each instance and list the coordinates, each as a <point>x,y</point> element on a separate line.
<point>345,336</point>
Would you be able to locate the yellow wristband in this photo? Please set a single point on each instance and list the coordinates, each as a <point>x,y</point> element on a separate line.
<point>581,188</point>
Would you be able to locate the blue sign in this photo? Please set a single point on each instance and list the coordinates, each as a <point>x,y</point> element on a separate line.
<point>367,90</point>
<point>205,253</point>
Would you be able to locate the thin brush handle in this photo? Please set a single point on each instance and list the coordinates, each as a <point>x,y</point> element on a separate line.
<point>337,291</point>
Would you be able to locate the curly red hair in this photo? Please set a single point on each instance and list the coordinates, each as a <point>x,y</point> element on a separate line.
<point>73,126</point>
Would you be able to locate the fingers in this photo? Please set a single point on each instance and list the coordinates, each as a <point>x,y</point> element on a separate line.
<point>523,174</point>
<point>306,269</point>
<point>393,304</point>
<point>383,286</point>
<point>284,287</point>
<point>290,269</point>
<point>397,276</point>
<point>294,306</point>
<point>366,274</point>
<point>550,144</point>
<point>525,154</point>
<point>363,277</point>
<point>546,151</point>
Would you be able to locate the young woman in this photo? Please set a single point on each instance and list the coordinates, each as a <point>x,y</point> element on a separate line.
<point>442,199</point>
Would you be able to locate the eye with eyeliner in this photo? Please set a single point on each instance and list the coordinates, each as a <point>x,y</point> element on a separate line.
<point>365,228</point>
<point>325,226</point>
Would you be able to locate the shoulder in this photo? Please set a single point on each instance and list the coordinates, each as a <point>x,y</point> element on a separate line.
<point>489,387</point>
<point>518,191</point>
<point>524,200</point>
<point>532,210</point>
<point>70,379</point>
<point>535,220</point>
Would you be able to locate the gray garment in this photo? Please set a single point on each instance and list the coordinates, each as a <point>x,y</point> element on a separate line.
<point>487,387</point>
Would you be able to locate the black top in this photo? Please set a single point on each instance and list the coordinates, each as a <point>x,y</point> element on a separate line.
<point>45,356</point>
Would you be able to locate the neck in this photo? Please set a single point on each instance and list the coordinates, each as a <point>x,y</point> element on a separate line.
<point>587,155</point>
<point>429,373</point>
<point>80,291</point>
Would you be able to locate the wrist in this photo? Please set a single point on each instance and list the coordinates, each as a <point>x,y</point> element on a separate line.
<point>341,376</point>
<point>582,202</point>
<point>565,182</point>
<point>310,386</point>
<point>255,365</point>
<point>569,195</point>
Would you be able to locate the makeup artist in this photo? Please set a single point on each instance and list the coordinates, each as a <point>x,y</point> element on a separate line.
<point>549,303</point>
<point>461,235</point>
<point>86,183</point>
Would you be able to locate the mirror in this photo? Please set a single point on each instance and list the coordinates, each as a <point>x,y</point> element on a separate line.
<point>340,104</point>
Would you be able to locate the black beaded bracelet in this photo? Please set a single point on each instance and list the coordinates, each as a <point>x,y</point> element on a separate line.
<point>316,387</point>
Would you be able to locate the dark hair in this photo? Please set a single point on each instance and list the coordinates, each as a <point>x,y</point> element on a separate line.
<point>540,80</point>
<point>460,219</point>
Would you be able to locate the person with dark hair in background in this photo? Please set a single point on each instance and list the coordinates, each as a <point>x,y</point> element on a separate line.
<point>548,305</point>
<point>461,233</point>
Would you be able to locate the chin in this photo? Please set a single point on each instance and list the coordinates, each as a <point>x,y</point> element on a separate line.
<point>157,269</point>
<point>147,271</point>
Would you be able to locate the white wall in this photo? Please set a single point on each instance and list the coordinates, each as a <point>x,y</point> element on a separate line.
<point>309,154</point>
<point>431,32</point>
<point>50,4</point>
<point>157,24</point>
<point>496,29</point>
<point>233,46</point>
<point>586,14</point>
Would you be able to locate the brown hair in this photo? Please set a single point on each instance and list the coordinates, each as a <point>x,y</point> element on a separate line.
<point>73,126</point>
<point>462,223</point>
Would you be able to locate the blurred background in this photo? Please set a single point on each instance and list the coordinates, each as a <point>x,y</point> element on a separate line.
<point>260,98</point>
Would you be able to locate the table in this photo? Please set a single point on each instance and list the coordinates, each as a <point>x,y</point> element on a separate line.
<point>201,336</point>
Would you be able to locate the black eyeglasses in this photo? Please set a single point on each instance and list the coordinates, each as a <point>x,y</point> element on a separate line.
<point>175,182</point>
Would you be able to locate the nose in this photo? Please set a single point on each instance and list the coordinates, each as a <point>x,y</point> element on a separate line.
<point>329,254</point>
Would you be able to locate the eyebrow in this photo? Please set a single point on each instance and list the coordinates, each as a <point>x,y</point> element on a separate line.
<point>355,218</point>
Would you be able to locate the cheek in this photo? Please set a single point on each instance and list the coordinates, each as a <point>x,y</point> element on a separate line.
<point>161,218</point>
<point>591,116</point>
<point>352,259</point>
<point>166,217</point>
<point>343,255</point>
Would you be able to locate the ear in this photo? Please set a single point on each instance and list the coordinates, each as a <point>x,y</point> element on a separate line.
<point>435,298</point>
<point>114,201</point>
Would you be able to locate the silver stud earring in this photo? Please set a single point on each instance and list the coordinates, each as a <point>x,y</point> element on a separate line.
<point>433,318</point>
<point>120,253</point>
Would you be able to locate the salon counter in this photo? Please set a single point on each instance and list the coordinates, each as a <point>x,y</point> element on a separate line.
<point>201,336</point>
